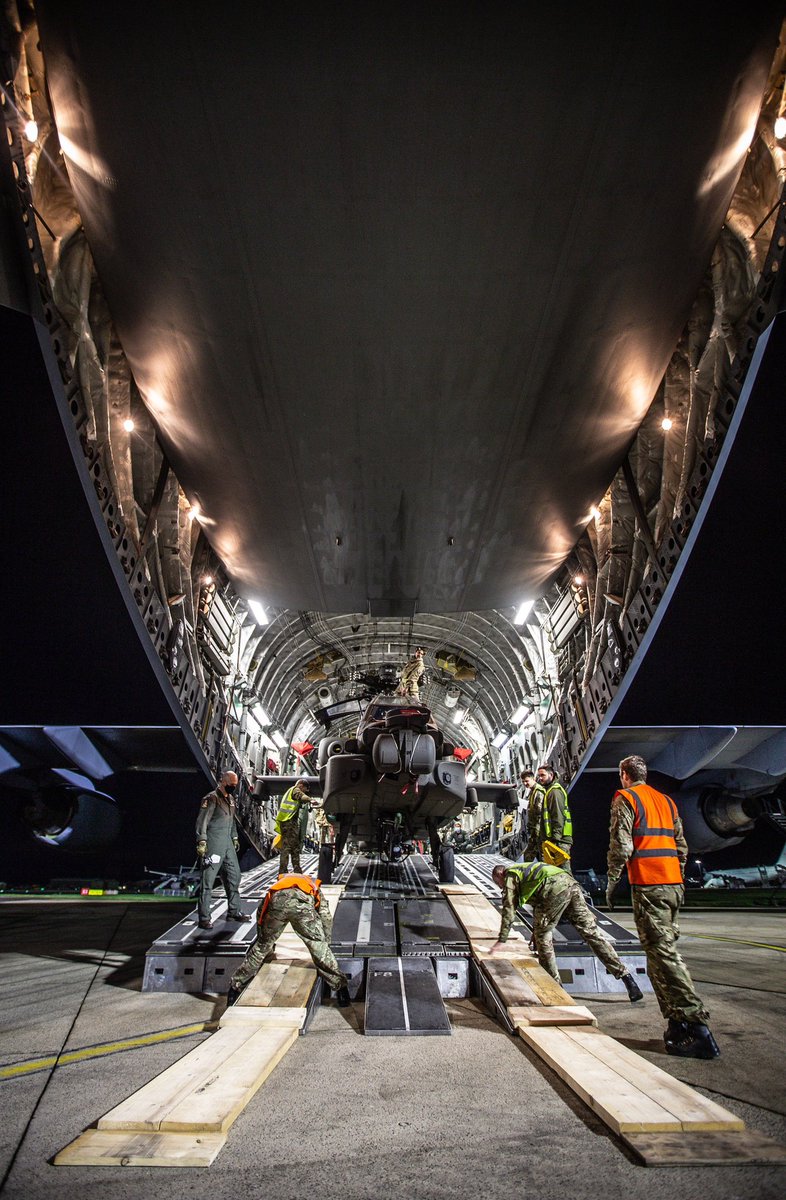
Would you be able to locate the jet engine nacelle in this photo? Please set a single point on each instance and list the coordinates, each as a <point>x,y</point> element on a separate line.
<point>714,819</point>
<point>71,818</point>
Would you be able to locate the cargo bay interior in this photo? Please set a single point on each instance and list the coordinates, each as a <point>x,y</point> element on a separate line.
<point>331,332</point>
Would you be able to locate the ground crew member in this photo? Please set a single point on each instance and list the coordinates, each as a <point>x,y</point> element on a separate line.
<point>291,825</point>
<point>557,823</point>
<point>217,845</point>
<point>554,893</point>
<point>409,684</point>
<point>646,837</point>
<point>535,794</point>
<point>294,900</point>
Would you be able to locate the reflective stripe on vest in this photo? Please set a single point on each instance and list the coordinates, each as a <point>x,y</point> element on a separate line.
<point>284,883</point>
<point>655,857</point>
<point>531,877</point>
<point>567,828</point>
<point>288,807</point>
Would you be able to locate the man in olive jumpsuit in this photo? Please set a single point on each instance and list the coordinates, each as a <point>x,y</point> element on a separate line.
<point>294,900</point>
<point>535,794</point>
<point>554,894</point>
<point>556,823</point>
<point>217,846</point>
<point>291,825</point>
<point>409,684</point>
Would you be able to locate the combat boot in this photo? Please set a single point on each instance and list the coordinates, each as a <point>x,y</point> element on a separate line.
<point>676,1031</point>
<point>205,923</point>
<point>632,988</point>
<point>342,997</point>
<point>698,1042</point>
<point>235,915</point>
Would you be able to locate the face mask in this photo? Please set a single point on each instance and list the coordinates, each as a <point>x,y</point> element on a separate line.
<point>229,788</point>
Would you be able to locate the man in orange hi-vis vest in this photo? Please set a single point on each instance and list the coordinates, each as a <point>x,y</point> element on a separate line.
<point>646,837</point>
<point>294,900</point>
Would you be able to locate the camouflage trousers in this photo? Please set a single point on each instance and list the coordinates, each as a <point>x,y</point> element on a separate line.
<point>289,846</point>
<point>656,911</point>
<point>295,908</point>
<point>561,898</point>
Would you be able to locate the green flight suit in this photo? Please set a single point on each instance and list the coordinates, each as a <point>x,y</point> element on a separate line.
<point>534,823</point>
<point>554,895</point>
<point>291,906</point>
<point>217,825</point>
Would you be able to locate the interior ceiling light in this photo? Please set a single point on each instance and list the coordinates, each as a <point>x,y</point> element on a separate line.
<point>520,714</point>
<point>194,512</point>
<point>523,612</point>
<point>779,128</point>
<point>501,739</point>
<point>458,716</point>
<point>31,130</point>
<point>578,580</point>
<point>258,613</point>
<point>128,425</point>
<point>208,580</point>
<point>278,738</point>
<point>260,716</point>
<point>594,512</point>
<point>666,423</point>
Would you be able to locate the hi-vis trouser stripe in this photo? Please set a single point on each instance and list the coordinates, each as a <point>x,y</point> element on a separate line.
<point>14,1070</point>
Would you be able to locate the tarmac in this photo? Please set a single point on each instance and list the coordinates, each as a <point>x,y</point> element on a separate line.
<point>473,1115</point>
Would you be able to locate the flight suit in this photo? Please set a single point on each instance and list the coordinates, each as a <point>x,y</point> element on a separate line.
<point>291,827</point>
<point>308,914</point>
<point>216,825</point>
<point>554,896</point>
<point>534,822</point>
<point>409,684</point>
<point>656,909</point>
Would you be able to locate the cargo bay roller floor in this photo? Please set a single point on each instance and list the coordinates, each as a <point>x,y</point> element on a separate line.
<point>471,1115</point>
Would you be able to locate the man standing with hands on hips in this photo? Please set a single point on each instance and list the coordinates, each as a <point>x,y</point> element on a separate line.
<point>217,845</point>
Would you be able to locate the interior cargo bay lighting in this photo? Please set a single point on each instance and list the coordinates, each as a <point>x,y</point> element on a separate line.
<point>258,612</point>
<point>779,128</point>
<point>458,716</point>
<point>520,714</point>
<point>666,423</point>
<point>207,580</point>
<point>129,425</point>
<point>501,739</point>
<point>594,512</point>
<point>278,738</point>
<point>31,130</point>
<point>523,612</point>
<point>194,512</point>
<point>578,580</point>
<point>260,716</point>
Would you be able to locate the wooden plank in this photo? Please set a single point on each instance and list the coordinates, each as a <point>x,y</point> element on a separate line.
<point>621,1104</point>
<point>546,989</point>
<point>109,1148</point>
<point>146,1108</point>
<point>217,1102</point>
<point>295,988</point>
<point>509,983</point>
<point>479,918</point>
<point>552,1014</point>
<point>264,985</point>
<point>458,889</point>
<point>283,1017</point>
<point>704,1149</point>
<point>513,948</point>
<point>694,1111</point>
<point>629,1093</point>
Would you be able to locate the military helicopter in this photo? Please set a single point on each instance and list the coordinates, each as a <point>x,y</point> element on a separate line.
<point>394,782</point>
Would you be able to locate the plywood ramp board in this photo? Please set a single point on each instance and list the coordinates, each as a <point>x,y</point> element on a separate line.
<point>207,1088</point>
<point>712,1149</point>
<point>109,1148</point>
<point>479,918</point>
<point>626,1091</point>
<point>553,1014</point>
<point>279,984</point>
<point>252,1015</point>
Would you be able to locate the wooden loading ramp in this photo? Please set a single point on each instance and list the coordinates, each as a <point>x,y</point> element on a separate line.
<point>181,1118</point>
<point>662,1120</point>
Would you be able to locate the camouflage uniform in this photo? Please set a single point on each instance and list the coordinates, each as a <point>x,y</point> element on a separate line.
<point>217,826</point>
<point>557,819</point>
<point>656,913</point>
<point>534,822</point>
<point>410,678</point>
<point>555,898</point>
<point>292,831</point>
<point>291,906</point>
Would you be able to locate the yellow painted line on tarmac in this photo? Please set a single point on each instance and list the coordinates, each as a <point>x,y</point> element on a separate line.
<point>719,937</point>
<point>72,1056</point>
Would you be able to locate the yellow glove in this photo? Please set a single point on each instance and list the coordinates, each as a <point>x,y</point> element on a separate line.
<point>201,848</point>
<point>236,844</point>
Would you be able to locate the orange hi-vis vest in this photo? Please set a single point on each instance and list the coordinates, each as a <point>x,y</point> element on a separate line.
<point>655,858</point>
<point>284,882</point>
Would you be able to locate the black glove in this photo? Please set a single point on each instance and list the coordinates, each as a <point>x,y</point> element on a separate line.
<point>610,892</point>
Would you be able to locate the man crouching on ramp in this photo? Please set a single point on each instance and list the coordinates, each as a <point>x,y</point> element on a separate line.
<point>294,900</point>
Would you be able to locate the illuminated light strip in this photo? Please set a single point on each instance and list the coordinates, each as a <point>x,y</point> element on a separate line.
<point>719,937</point>
<point>149,1039</point>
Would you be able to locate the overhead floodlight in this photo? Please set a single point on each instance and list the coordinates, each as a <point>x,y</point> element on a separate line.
<point>524,610</point>
<point>779,128</point>
<point>666,423</point>
<point>458,716</point>
<point>520,714</point>
<point>129,425</point>
<point>278,738</point>
<point>260,716</point>
<point>31,130</point>
<point>501,739</point>
<point>258,613</point>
